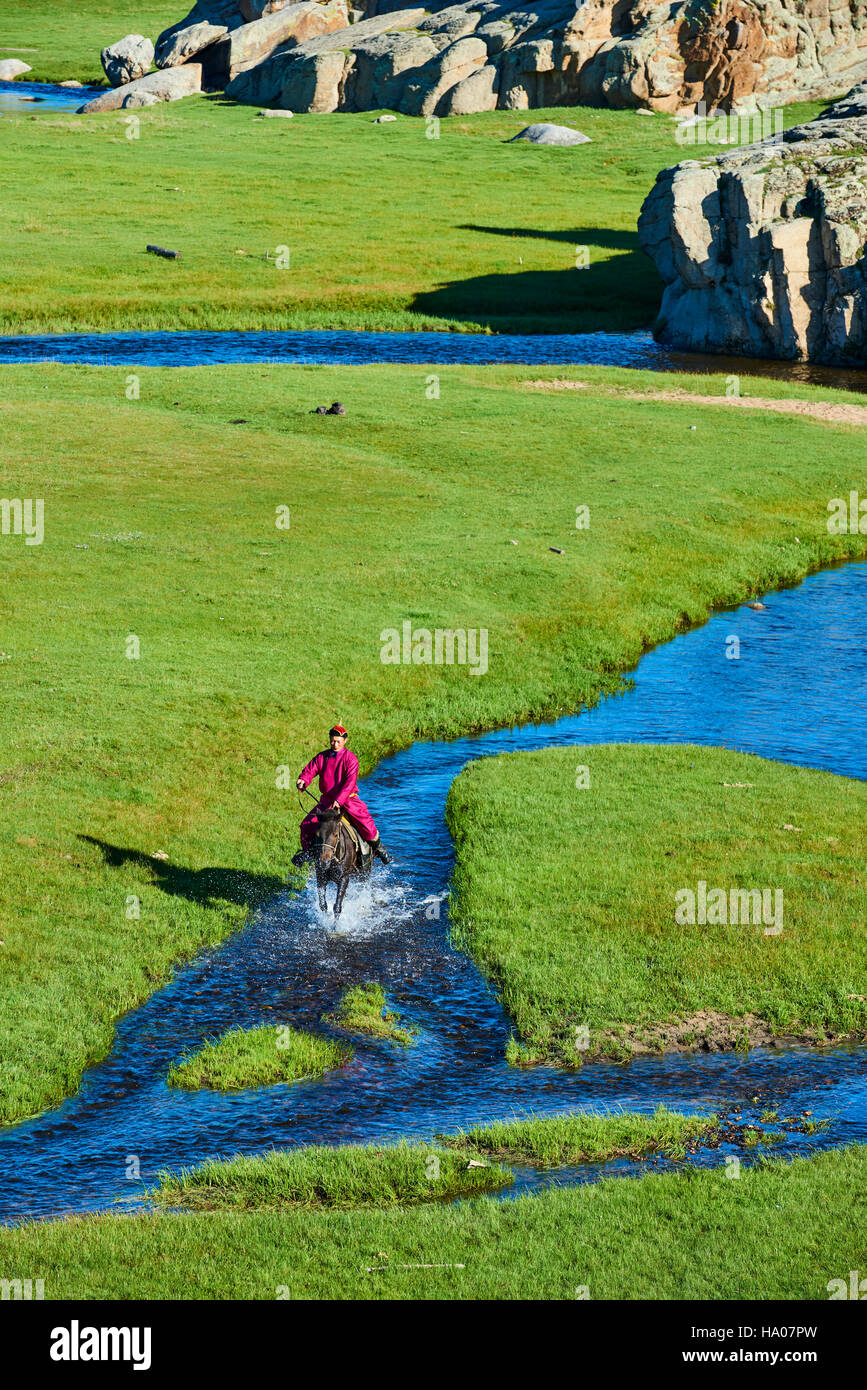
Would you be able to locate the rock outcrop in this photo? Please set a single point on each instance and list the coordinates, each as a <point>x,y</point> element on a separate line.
<point>483,54</point>
<point>251,45</point>
<point>127,59</point>
<point>313,76</point>
<point>161,86</point>
<point>762,249</point>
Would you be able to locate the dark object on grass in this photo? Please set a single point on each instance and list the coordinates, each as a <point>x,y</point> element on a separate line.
<point>239,422</point>
<point>556,550</point>
<point>320,410</point>
<point>336,408</point>
<point>161,251</point>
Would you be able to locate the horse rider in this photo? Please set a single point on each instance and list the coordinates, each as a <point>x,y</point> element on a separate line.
<point>337,770</point>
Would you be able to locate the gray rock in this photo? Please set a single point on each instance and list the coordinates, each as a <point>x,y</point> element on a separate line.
<point>428,86</point>
<point>311,75</point>
<point>285,114</point>
<point>10,68</point>
<point>380,68</point>
<point>761,248</point>
<point>207,21</point>
<point>248,47</point>
<point>127,59</point>
<point>547,134</point>
<point>178,46</point>
<point>133,99</point>
<point>478,92</point>
<point>170,85</point>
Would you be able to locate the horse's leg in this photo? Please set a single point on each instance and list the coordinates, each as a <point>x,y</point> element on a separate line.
<point>341,893</point>
<point>321,882</point>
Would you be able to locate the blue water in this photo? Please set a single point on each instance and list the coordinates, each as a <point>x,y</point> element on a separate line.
<point>797,694</point>
<point>29,98</point>
<point>313,347</point>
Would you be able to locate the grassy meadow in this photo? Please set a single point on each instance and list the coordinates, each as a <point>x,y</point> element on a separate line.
<point>62,40</point>
<point>382,228</point>
<point>567,896</point>
<point>248,1057</point>
<point>141,812</point>
<point>363,1009</point>
<point>781,1231</point>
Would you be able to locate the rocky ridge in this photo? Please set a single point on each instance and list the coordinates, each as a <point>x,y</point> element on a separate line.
<point>762,248</point>
<point>485,54</point>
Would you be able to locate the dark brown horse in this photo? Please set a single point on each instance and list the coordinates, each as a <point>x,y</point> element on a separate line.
<point>336,858</point>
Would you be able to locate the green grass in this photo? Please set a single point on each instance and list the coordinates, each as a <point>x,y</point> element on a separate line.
<point>68,35</point>
<point>567,896</point>
<point>140,817</point>
<point>248,1057</point>
<point>780,1230</point>
<point>560,1139</point>
<point>362,1009</point>
<point>385,229</point>
<point>352,1176</point>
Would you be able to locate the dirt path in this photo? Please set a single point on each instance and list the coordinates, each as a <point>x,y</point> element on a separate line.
<point>826,411</point>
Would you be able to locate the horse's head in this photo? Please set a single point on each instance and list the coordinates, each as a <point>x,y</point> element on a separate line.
<point>327,836</point>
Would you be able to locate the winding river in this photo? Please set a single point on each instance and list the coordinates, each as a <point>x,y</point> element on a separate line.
<point>796,694</point>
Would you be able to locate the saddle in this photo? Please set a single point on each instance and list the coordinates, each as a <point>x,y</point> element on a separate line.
<point>363,848</point>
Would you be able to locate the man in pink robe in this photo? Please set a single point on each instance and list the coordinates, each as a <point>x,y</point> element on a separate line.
<point>337,770</point>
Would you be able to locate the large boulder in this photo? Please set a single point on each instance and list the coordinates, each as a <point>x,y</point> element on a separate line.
<point>163,86</point>
<point>424,92</point>
<point>207,21</point>
<point>250,45</point>
<point>549,134</point>
<point>127,59</point>
<point>476,92</point>
<point>762,248</point>
<point>10,68</point>
<point>311,76</point>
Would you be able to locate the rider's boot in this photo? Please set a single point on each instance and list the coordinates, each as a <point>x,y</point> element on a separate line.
<point>378,848</point>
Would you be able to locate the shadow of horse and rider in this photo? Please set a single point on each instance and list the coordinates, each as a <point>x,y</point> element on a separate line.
<point>338,838</point>
<point>337,854</point>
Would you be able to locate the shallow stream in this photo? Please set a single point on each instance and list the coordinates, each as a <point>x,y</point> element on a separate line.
<point>796,694</point>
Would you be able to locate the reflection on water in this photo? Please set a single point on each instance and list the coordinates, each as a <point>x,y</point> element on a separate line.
<point>797,694</point>
<point>309,347</point>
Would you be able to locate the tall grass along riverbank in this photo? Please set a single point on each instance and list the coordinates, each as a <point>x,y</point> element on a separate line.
<point>781,1231</point>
